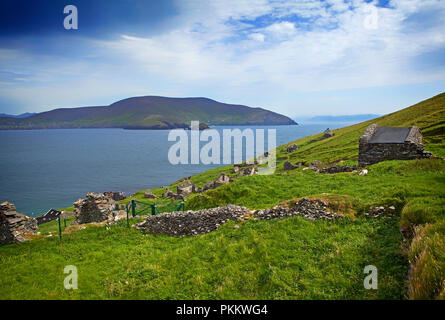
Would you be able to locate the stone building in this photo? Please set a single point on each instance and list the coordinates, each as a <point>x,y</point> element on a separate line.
<point>15,227</point>
<point>390,143</point>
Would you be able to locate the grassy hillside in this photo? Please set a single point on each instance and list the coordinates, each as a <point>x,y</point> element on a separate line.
<point>288,259</point>
<point>149,112</point>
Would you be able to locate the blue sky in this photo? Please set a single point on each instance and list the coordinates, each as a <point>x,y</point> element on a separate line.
<point>299,58</point>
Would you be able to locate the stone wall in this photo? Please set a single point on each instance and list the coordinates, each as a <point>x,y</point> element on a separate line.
<point>15,227</point>
<point>377,152</point>
<point>306,208</point>
<point>190,223</point>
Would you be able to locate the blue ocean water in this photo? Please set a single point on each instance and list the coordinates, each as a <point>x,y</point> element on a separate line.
<point>43,169</point>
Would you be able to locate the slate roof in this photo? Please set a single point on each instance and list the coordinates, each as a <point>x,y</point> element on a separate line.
<point>390,135</point>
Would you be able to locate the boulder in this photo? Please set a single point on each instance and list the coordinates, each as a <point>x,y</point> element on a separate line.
<point>15,227</point>
<point>289,166</point>
<point>364,172</point>
<point>313,168</point>
<point>96,207</point>
<point>149,194</point>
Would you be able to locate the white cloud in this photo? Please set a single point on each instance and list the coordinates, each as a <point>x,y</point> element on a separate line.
<point>264,49</point>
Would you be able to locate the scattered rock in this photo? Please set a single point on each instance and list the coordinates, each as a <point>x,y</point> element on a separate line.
<point>292,148</point>
<point>221,180</point>
<point>378,211</point>
<point>168,194</point>
<point>248,171</point>
<point>364,172</point>
<point>289,166</point>
<point>15,227</point>
<point>338,169</point>
<point>309,209</point>
<point>149,194</point>
<point>185,189</point>
<point>313,168</point>
<point>116,196</point>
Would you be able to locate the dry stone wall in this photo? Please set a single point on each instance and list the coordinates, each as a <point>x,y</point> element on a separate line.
<point>15,227</point>
<point>191,223</point>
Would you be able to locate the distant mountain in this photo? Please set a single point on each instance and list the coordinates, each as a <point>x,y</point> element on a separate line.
<point>150,112</point>
<point>339,119</point>
<point>20,116</point>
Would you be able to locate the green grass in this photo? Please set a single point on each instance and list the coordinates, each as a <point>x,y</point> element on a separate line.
<point>286,259</point>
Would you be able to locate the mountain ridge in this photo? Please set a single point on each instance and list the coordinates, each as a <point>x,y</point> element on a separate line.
<point>149,112</point>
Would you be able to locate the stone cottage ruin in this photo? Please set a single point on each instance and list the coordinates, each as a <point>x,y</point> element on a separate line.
<point>15,227</point>
<point>390,143</point>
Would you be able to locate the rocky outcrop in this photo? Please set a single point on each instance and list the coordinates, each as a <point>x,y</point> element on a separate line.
<point>191,223</point>
<point>309,209</point>
<point>338,169</point>
<point>95,208</point>
<point>15,227</point>
<point>149,194</point>
<point>293,147</point>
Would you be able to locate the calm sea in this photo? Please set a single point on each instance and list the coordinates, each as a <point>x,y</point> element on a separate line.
<point>43,169</point>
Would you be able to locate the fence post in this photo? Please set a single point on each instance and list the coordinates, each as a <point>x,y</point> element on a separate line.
<point>153,209</point>
<point>133,208</point>
<point>64,222</point>
<point>60,228</point>
<point>127,210</point>
<point>183,205</point>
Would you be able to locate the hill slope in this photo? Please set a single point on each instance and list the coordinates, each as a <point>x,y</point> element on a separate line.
<point>150,112</point>
<point>292,258</point>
